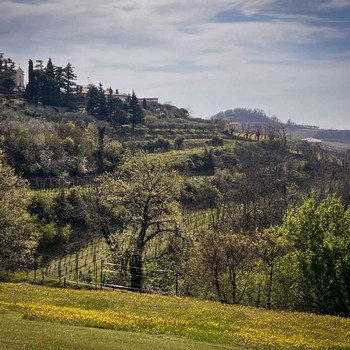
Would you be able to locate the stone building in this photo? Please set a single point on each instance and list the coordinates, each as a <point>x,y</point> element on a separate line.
<point>19,79</point>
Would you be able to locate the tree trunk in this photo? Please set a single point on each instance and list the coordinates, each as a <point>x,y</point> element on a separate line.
<point>269,288</point>
<point>136,271</point>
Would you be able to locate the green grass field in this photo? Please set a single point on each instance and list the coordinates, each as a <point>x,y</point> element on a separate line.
<point>41,316</point>
<point>19,333</point>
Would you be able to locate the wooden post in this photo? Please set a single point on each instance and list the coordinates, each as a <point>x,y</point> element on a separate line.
<point>101,272</point>
<point>177,283</point>
<point>35,265</point>
<point>259,293</point>
<point>77,267</point>
<point>59,272</point>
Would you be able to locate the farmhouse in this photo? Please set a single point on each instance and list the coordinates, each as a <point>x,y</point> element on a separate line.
<point>312,140</point>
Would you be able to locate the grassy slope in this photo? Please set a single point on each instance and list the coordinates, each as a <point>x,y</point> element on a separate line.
<point>18,333</point>
<point>205,321</point>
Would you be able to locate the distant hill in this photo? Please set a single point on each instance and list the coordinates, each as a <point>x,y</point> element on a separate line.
<point>243,115</point>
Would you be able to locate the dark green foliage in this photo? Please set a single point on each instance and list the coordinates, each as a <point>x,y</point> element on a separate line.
<point>158,145</point>
<point>243,115</point>
<point>30,86</point>
<point>68,83</point>
<point>102,112</point>
<point>48,91</point>
<point>144,104</point>
<point>178,143</point>
<point>137,116</point>
<point>46,85</point>
<point>217,141</point>
<point>7,74</point>
<point>92,100</point>
<point>119,115</point>
<point>50,69</point>
<point>66,218</point>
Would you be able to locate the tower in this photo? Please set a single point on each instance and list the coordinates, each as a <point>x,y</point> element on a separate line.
<point>19,79</point>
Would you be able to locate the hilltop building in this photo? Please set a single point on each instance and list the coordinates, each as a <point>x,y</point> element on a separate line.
<point>122,96</point>
<point>19,79</point>
<point>312,140</point>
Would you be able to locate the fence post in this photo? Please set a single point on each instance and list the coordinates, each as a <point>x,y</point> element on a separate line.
<point>102,261</point>
<point>35,265</point>
<point>177,282</point>
<point>259,292</point>
<point>59,272</point>
<point>77,266</point>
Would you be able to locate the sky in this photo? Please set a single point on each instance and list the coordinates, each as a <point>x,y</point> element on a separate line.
<point>290,58</point>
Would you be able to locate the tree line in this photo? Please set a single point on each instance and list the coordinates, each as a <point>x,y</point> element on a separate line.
<point>276,233</point>
<point>55,85</point>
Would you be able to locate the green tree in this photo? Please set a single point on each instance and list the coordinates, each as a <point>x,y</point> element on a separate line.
<point>18,236</point>
<point>144,104</point>
<point>137,116</point>
<point>119,116</point>
<point>69,84</point>
<point>30,86</point>
<point>144,193</point>
<point>271,246</point>
<point>320,235</point>
<point>102,112</point>
<point>92,99</point>
<point>7,74</point>
<point>50,71</point>
<point>222,260</point>
<point>59,77</point>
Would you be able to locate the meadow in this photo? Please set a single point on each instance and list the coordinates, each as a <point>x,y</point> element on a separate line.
<point>214,324</point>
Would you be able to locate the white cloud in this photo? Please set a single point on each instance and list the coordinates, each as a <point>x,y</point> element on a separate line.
<point>337,4</point>
<point>174,49</point>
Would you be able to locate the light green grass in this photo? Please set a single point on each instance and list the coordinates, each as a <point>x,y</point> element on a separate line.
<point>232,326</point>
<point>19,333</point>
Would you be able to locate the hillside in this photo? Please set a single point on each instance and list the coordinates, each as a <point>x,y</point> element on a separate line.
<point>243,115</point>
<point>246,117</point>
<point>225,327</point>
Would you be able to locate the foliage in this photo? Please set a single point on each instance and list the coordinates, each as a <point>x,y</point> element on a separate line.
<point>217,141</point>
<point>321,250</point>
<point>220,262</point>
<point>18,234</point>
<point>137,116</point>
<point>144,193</point>
<point>178,142</point>
<point>7,74</point>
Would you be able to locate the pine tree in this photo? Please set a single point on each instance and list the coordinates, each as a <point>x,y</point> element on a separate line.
<point>69,84</point>
<point>111,104</point>
<point>92,99</point>
<point>144,104</point>
<point>30,86</point>
<point>7,74</point>
<point>137,116</point>
<point>102,104</point>
<point>39,65</point>
<point>50,69</point>
<point>58,70</point>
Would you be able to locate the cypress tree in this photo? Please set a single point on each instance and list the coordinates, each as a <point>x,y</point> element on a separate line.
<point>30,86</point>
<point>137,116</point>
<point>50,69</point>
<point>69,84</point>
